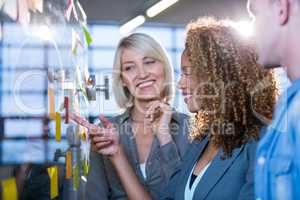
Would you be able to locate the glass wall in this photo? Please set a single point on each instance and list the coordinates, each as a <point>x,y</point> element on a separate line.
<point>24,60</point>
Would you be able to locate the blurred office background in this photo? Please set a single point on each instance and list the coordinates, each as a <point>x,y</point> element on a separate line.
<point>25,57</point>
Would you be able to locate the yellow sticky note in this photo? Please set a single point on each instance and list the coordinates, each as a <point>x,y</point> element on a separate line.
<point>53,175</point>
<point>51,103</point>
<point>57,127</point>
<point>68,165</point>
<point>9,189</point>
<point>75,172</point>
<point>86,167</point>
<point>84,135</point>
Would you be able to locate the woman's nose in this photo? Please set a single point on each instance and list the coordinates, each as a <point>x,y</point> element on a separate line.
<point>142,73</point>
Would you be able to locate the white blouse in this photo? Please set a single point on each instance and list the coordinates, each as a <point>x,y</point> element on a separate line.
<point>189,192</point>
<point>143,169</point>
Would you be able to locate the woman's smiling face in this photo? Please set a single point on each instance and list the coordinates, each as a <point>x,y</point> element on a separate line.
<point>188,84</point>
<point>143,76</point>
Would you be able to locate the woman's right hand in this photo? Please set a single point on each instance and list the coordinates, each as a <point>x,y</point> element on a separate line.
<point>158,116</point>
<point>105,140</point>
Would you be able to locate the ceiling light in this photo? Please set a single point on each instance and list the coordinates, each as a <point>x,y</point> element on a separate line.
<point>159,7</point>
<point>132,24</point>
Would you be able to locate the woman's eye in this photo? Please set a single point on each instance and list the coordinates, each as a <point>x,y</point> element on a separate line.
<point>149,62</point>
<point>127,68</point>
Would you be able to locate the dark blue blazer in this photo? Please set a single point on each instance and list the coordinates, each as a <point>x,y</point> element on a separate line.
<point>228,179</point>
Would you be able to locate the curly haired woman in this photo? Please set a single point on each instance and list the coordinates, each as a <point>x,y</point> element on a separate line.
<point>232,98</point>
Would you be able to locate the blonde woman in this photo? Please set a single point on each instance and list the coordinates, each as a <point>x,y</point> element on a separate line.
<point>149,137</point>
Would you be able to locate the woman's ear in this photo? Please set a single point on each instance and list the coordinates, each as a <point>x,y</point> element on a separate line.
<point>124,84</point>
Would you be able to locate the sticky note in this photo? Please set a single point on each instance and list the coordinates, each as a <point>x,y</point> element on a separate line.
<point>51,103</point>
<point>67,109</point>
<point>84,135</point>
<point>9,189</point>
<point>53,175</point>
<point>87,35</point>
<point>74,42</point>
<point>57,126</point>
<point>75,172</point>
<point>86,167</point>
<point>68,165</point>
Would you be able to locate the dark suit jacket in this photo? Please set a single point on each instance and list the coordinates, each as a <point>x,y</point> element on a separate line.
<point>227,179</point>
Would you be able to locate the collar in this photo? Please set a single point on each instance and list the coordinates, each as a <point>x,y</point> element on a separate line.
<point>295,86</point>
<point>125,116</point>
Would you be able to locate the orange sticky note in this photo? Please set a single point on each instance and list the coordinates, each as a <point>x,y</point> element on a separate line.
<point>57,126</point>
<point>51,103</point>
<point>68,165</point>
<point>53,175</point>
<point>9,189</point>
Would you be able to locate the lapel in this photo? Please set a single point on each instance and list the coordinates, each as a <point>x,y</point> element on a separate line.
<point>190,159</point>
<point>214,173</point>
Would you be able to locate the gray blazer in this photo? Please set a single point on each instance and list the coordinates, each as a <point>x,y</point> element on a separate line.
<point>103,182</point>
<point>228,179</point>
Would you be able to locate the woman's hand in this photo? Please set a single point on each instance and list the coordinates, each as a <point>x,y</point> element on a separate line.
<point>159,116</point>
<point>105,140</point>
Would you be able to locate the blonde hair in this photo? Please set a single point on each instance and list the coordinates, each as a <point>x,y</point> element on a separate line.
<point>150,47</point>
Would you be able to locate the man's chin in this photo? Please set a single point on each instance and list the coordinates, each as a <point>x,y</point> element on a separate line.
<point>271,66</point>
<point>268,65</point>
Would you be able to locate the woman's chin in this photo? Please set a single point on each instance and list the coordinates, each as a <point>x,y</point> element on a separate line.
<point>147,97</point>
<point>192,108</point>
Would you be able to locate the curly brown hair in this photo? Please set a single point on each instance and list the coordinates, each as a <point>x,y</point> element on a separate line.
<point>244,94</point>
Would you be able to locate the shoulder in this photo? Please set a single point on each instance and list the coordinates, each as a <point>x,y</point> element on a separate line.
<point>179,128</point>
<point>294,107</point>
<point>179,116</point>
<point>293,116</point>
<point>251,144</point>
<point>193,149</point>
<point>180,119</point>
<point>295,102</point>
<point>119,118</point>
<point>250,148</point>
<point>180,124</point>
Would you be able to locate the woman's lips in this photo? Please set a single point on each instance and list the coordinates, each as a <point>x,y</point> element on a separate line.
<point>145,84</point>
